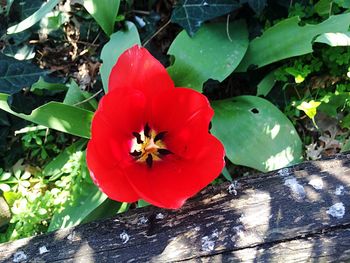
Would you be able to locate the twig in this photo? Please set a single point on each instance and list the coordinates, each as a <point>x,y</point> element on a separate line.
<point>156,33</point>
<point>140,12</point>
<point>228,27</point>
<point>90,98</point>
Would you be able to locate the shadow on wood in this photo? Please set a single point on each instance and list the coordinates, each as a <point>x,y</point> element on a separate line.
<point>295,214</point>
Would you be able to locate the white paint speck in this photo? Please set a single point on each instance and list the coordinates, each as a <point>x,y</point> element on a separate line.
<point>142,220</point>
<point>298,191</point>
<point>124,237</point>
<point>19,256</point>
<point>197,228</point>
<point>140,21</point>
<point>232,189</point>
<point>208,242</point>
<point>337,210</point>
<point>238,232</point>
<point>71,236</point>
<point>339,190</point>
<point>159,216</point>
<point>43,250</point>
<point>316,183</point>
<point>284,172</point>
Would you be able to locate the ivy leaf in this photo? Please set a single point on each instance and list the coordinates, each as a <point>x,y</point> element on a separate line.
<point>257,5</point>
<point>16,75</point>
<point>190,14</point>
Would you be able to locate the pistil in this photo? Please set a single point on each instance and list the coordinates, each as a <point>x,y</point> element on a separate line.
<point>148,146</point>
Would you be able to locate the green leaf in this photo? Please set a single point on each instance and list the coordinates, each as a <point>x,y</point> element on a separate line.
<point>266,84</point>
<point>255,133</point>
<point>54,168</point>
<point>343,3</point>
<point>16,75</point>
<point>74,214</point>
<point>198,59</point>
<point>118,43</point>
<point>19,52</point>
<point>75,96</point>
<point>34,18</point>
<point>107,209</point>
<point>5,214</point>
<point>41,85</point>
<point>334,39</point>
<point>323,7</point>
<point>190,14</point>
<point>331,103</point>
<point>142,203</point>
<point>288,39</point>
<point>57,116</point>
<point>104,12</point>
<point>345,123</point>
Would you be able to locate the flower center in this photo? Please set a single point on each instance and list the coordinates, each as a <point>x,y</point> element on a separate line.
<point>148,146</point>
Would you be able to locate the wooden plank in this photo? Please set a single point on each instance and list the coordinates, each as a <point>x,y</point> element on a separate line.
<point>296,214</point>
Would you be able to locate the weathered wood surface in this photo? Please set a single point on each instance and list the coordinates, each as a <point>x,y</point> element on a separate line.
<point>298,214</point>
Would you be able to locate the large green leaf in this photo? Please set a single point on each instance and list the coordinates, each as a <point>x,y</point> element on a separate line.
<point>34,18</point>
<point>119,42</point>
<point>104,12</point>
<point>288,39</point>
<point>190,14</point>
<point>16,75</point>
<point>57,116</point>
<point>255,133</point>
<point>210,54</point>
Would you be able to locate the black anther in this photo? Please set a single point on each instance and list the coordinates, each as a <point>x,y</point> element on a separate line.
<point>147,130</point>
<point>149,160</point>
<point>160,136</point>
<point>138,137</point>
<point>164,152</point>
<point>135,153</point>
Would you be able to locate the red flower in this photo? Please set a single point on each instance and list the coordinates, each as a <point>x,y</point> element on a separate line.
<point>150,140</point>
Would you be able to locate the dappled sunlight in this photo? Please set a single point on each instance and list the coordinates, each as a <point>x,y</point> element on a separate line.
<point>273,132</point>
<point>176,247</point>
<point>334,39</point>
<point>87,252</point>
<point>254,220</point>
<point>281,159</point>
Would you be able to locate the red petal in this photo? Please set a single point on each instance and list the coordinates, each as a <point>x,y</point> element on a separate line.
<point>173,180</point>
<point>172,110</point>
<point>111,180</point>
<point>124,111</point>
<point>136,68</point>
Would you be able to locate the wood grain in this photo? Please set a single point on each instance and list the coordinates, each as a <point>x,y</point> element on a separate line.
<point>297,214</point>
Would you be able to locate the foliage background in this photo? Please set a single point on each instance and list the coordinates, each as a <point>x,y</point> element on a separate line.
<point>276,73</point>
